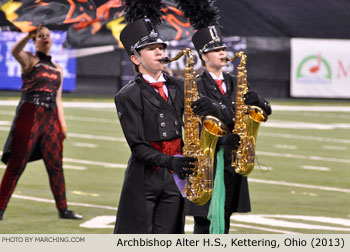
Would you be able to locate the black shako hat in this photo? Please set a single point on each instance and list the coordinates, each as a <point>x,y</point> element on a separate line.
<point>139,34</point>
<point>208,39</point>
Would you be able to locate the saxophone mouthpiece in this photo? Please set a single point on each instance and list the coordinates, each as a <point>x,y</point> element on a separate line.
<point>226,59</point>
<point>165,60</point>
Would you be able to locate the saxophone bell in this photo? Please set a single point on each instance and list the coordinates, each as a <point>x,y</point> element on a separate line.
<point>257,114</point>
<point>198,186</point>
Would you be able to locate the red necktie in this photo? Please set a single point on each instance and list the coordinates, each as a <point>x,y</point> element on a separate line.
<point>159,87</point>
<point>219,83</point>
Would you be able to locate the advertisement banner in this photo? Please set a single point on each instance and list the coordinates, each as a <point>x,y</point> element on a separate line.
<point>320,68</point>
<point>10,69</point>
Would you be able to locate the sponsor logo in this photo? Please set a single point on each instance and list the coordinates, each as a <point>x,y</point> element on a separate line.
<point>314,69</point>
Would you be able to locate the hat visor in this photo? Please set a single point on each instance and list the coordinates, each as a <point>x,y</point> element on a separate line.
<point>151,42</point>
<point>214,48</point>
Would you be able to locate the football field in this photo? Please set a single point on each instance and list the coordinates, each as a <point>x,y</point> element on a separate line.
<point>301,182</point>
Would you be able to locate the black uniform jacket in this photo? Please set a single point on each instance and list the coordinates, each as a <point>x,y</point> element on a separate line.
<point>238,184</point>
<point>145,117</point>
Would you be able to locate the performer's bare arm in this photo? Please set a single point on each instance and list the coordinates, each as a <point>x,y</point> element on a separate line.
<point>25,59</point>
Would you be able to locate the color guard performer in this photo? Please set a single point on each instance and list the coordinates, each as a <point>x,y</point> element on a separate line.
<point>39,127</point>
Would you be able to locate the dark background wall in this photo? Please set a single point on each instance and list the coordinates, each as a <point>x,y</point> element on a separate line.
<point>99,74</point>
<point>267,26</point>
<point>279,18</point>
<point>268,68</point>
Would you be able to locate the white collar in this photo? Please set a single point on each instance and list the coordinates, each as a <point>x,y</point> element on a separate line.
<point>221,77</point>
<point>151,80</point>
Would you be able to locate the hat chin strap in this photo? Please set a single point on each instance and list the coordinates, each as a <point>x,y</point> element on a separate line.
<point>142,62</point>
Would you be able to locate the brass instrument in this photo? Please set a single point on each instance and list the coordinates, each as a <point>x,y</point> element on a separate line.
<point>199,185</point>
<point>247,122</point>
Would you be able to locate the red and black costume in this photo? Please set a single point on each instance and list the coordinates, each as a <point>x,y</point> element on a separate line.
<point>36,132</point>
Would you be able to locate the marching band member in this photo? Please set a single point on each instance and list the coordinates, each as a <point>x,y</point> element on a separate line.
<point>215,85</point>
<point>150,108</point>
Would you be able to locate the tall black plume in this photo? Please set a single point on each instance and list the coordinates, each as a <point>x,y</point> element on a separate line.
<point>201,13</point>
<point>135,9</point>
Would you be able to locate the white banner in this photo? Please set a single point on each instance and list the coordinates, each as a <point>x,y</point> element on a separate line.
<point>320,68</point>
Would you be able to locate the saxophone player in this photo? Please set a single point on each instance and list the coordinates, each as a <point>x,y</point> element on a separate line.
<point>214,84</point>
<point>150,110</point>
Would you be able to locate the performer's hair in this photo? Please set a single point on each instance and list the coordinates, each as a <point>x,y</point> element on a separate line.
<point>135,68</point>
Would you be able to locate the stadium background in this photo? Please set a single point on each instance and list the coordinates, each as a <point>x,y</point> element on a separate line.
<point>301,184</point>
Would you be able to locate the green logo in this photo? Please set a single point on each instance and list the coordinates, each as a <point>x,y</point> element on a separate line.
<point>314,69</point>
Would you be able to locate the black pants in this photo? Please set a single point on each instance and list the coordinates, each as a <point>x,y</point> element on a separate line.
<point>233,195</point>
<point>202,224</point>
<point>163,202</point>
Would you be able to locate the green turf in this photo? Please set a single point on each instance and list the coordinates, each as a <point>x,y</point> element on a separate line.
<point>100,186</point>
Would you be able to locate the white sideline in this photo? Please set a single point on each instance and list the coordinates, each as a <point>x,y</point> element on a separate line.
<point>311,108</point>
<point>73,167</point>
<point>303,137</point>
<point>272,182</point>
<point>274,221</point>
<point>69,203</point>
<point>316,168</point>
<point>106,221</point>
<point>83,136</point>
<point>272,230</point>
<point>88,162</point>
<point>263,153</point>
<point>98,163</point>
<point>274,107</point>
<point>297,156</point>
<point>68,104</point>
<point>89,136</point>
<point>283,183</point>
<point>304,125</point>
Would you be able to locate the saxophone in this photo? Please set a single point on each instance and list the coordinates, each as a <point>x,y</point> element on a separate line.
<point>247,122</point>
<point>198,186</point>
